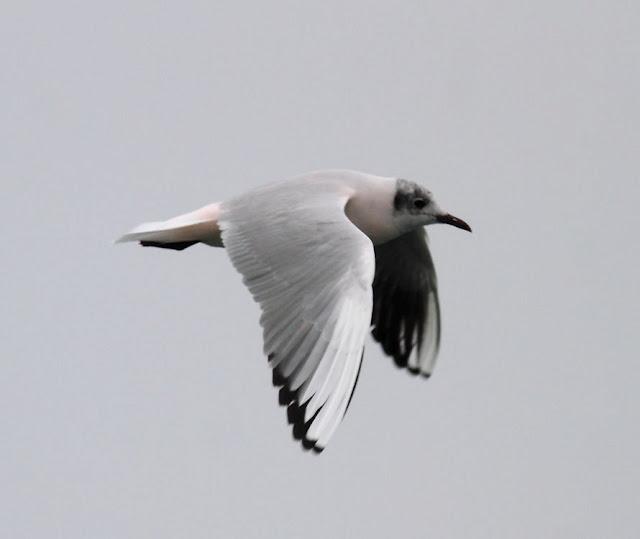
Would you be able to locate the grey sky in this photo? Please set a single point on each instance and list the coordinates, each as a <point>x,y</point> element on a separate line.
<point>134,398</point>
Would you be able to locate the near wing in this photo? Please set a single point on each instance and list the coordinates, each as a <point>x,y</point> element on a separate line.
<point>406,311</point>
<point>311,271</point>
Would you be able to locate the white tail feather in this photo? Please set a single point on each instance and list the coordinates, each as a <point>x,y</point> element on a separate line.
<point>199,225</point>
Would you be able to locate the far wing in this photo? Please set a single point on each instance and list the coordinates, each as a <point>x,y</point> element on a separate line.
<point>406,310</point>
<point>311,271</point>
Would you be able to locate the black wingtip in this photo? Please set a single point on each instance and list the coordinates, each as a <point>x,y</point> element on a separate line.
<point>296,413</point>
<point>284,397</point>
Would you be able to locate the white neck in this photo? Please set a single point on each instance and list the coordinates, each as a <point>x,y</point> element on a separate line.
<point>370,207</point>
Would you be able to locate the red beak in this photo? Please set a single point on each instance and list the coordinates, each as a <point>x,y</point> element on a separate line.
<point>449,219</point>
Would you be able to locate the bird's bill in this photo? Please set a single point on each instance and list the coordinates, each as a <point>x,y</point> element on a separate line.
<point>449,219</point>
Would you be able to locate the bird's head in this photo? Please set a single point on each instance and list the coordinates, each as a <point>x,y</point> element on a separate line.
<point>414,206</point>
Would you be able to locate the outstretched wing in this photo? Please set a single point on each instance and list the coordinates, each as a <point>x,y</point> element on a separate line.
<point>406,311</point>
<point>311,271</point>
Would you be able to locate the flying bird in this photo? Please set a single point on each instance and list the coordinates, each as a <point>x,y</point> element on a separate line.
<point>329,256</point>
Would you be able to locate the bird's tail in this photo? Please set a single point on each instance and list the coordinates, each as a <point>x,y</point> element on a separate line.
<point>199,226</point>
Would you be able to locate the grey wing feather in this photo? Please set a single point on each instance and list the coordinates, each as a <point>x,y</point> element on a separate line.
<point>311,271</point>
<point>406,310</point>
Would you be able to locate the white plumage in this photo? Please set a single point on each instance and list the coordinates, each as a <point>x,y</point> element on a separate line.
<point>308,250</point>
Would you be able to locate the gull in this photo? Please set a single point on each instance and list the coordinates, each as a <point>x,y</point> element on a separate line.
<point>328,256</point>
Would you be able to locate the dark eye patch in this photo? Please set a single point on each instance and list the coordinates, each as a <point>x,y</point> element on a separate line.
<point>419,203</point>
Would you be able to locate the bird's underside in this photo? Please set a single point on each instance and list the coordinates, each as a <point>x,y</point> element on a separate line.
<point>321,286</point>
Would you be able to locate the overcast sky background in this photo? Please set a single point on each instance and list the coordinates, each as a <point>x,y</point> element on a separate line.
<point>134,398</point>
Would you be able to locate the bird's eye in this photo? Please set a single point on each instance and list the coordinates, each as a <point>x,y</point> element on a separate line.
<point>419,203</point>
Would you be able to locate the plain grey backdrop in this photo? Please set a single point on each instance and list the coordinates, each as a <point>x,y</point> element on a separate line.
<point>134,398</point>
